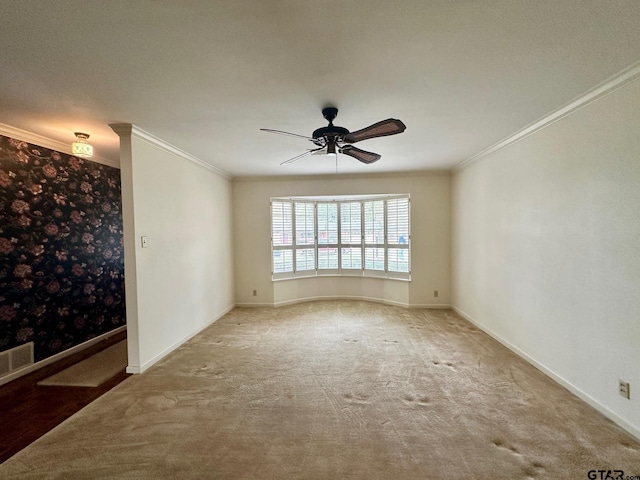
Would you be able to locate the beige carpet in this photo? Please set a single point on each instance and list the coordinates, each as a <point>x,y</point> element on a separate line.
<point>334,390</point>
<point>93,371</point>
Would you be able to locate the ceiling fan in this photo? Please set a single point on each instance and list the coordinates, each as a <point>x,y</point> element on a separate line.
<point>331,138</point>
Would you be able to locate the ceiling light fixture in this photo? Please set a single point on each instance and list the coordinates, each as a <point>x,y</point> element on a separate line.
<point>81,147</point>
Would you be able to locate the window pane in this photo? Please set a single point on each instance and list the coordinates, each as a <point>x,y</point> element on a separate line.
<point>352,258</point>
<point>305,259</point>
<point>327,258</point>
<point>282,261</point>
<point>305,229</point>
<point>398,221</point>
<point>374,258</point>
<point>374,222</point>
<point>281,223</point>
<point>350,220</point>
<point>327,223</point>
<point>398,260</point>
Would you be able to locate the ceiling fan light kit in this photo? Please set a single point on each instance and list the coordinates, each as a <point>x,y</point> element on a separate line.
<point>333,139</point>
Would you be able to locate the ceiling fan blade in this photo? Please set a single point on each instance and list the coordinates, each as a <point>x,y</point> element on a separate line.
<point>302,155</point>
<point>268,130</point>
<point>361,155</point>
<point>390,126</point>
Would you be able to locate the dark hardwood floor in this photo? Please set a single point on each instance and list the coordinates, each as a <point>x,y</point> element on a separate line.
<point>28,410</point>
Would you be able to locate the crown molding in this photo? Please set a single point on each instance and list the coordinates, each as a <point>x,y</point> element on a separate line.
<point>46,142</point>
<point>610,85</point>
<point>343,176</point>
<point>131,130</point>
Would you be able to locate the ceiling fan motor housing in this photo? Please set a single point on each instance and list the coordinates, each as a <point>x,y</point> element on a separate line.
<point>330,134</point>
<point>329,131</point>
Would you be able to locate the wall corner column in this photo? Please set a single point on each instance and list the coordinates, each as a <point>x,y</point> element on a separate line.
<point>124,131</point>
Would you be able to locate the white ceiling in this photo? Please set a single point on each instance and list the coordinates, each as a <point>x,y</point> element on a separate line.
<point>206,75</point>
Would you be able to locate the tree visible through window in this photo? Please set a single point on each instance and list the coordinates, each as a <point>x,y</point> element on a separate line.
<point>350,235</point>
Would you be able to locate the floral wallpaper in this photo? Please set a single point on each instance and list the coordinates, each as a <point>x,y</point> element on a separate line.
<point>61,249</point>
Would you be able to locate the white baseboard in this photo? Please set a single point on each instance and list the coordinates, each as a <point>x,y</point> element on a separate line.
<point>614,417</point>
<point>60,356</point>
<point>341,297</point>
<point>253,305</point>
<point>345,297</point>
<point>435,306</point>
<point>135,369</point>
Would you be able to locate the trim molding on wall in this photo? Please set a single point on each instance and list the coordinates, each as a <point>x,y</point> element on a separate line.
<point>435,306</point>
<point>145,366</point>
<point>61,355</point>
<point>632,429</point>
<point>341,297</point>
<point>34,138</point>
<point>285,303</point>
<point>345,176</point>
<point>255,305</point>
<point>610,85</point>
<point>129,129</point>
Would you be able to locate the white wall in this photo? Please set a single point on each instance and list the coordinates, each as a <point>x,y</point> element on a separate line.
<point>546,249</point>
<point>183,280</point>
<point>430,236</point>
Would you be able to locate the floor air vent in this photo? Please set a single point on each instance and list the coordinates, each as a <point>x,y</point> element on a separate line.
<point>16,358</point>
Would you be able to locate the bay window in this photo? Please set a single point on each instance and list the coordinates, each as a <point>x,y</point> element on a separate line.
<point>356,235</point>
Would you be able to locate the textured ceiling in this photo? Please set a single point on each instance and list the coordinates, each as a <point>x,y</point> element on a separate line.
<point>206,75</point>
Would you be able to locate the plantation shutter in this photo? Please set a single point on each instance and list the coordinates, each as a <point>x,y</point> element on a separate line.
<point>282,236</point>
<point>305,236</point>
<point>398,235</point>
<point>351,235</point>
<point>327,236</point>
<point>374,258</point>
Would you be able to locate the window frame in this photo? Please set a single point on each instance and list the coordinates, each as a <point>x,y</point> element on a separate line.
<point>363,245</point>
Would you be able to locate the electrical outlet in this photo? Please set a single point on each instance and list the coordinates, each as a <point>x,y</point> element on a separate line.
<point>435,293</point>
<point>623,389</point>
<point>255,293</point>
